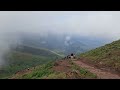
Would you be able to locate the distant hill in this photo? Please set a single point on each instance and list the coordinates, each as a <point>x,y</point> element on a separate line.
<point>36,51</point>
<point>23,57</point>
<point>106,57</point>
<point>63,44</point>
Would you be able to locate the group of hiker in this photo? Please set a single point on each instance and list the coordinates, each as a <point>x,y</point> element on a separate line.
<point>71,56</point>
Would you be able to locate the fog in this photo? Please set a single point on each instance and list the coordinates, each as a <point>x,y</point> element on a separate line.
<point>101,24</point>
<point>86,23</point>
<point>6,41</point>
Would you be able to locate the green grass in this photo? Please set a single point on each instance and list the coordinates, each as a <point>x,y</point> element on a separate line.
<point>45,72</point>
<point>59,52</point>
<point>23,57</point>
<point>18,61</point>
<point>41,71</point>
<point>37,51</point>
<point>56,75</point>
<point>108,55</point>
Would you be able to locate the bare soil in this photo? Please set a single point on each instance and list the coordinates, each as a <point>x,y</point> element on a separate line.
<point>101,74</point>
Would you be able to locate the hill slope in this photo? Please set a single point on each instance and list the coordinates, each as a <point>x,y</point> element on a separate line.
<point>106,57</point>
<point>64,43</point>
<point>23,57</point>
<point>37,51</point>
<point>62,69</point>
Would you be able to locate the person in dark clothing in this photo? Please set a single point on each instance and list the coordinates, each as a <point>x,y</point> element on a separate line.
<point>69,57</point>
<point>71,54</point>
<point>74,56</point>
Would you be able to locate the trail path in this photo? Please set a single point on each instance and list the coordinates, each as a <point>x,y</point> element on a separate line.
<point>100,73</point>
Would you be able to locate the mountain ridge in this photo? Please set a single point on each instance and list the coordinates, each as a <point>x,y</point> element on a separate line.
<point>106,57</point>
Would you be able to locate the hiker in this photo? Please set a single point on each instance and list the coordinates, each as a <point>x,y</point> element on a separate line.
<point>71,54</point>
<point>74,56</point>
<point>68,56</point>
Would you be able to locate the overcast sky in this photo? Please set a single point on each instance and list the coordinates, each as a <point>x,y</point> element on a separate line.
<point>102,24</point>
<point>87,23</point>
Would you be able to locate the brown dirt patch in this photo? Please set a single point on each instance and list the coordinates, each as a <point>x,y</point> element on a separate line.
<point>100,73</point>
<point>62,66</point>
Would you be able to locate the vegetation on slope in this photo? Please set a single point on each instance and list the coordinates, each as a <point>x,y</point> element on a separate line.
<point>25,57</point>
<point>107,56</point>
<point>46,71</point>
<point>36,51</point>
<point>18,61</point>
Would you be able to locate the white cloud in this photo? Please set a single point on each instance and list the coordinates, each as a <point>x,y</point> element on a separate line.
<point>67,38</point>
<point>95,23</point>
<point>83,23</point>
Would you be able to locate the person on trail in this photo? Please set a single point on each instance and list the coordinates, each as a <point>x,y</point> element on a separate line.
<point>74,56</point>
<point>68,56</point>
<point>71,54</point>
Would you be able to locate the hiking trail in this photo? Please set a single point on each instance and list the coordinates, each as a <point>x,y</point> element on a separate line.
<point>100,73</point>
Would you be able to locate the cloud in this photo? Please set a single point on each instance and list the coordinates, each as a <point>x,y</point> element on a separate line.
<point>87,23</point>
<point>67,38</point>
<point>104,24</point>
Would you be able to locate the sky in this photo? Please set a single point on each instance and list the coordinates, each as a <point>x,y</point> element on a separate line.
<point>85,23</point>
<point>103,24</point>
<point>96,23</point>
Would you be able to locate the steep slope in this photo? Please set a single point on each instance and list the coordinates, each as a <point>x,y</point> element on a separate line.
<point>106,57</point>
<point>62,69</point>
<point>101,74</point>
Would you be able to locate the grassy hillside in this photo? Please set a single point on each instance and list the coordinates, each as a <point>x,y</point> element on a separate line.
<point>24,57</point>
<point>107,56</point>
<point>47,71</point>
<point>36,51</point>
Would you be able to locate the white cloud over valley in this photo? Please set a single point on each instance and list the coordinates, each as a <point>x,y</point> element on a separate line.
<point>104,24</point>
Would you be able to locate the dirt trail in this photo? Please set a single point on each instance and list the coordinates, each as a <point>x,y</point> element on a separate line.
<point>62,66</point>
<point>100,73</point>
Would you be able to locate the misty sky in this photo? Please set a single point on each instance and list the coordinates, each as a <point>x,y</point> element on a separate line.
<point>86,23</point>
<point>101,24</point>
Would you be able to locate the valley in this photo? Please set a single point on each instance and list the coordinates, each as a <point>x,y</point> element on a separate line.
<point>25,57</point>
<point>59,45</point>
<point>87,65</point>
